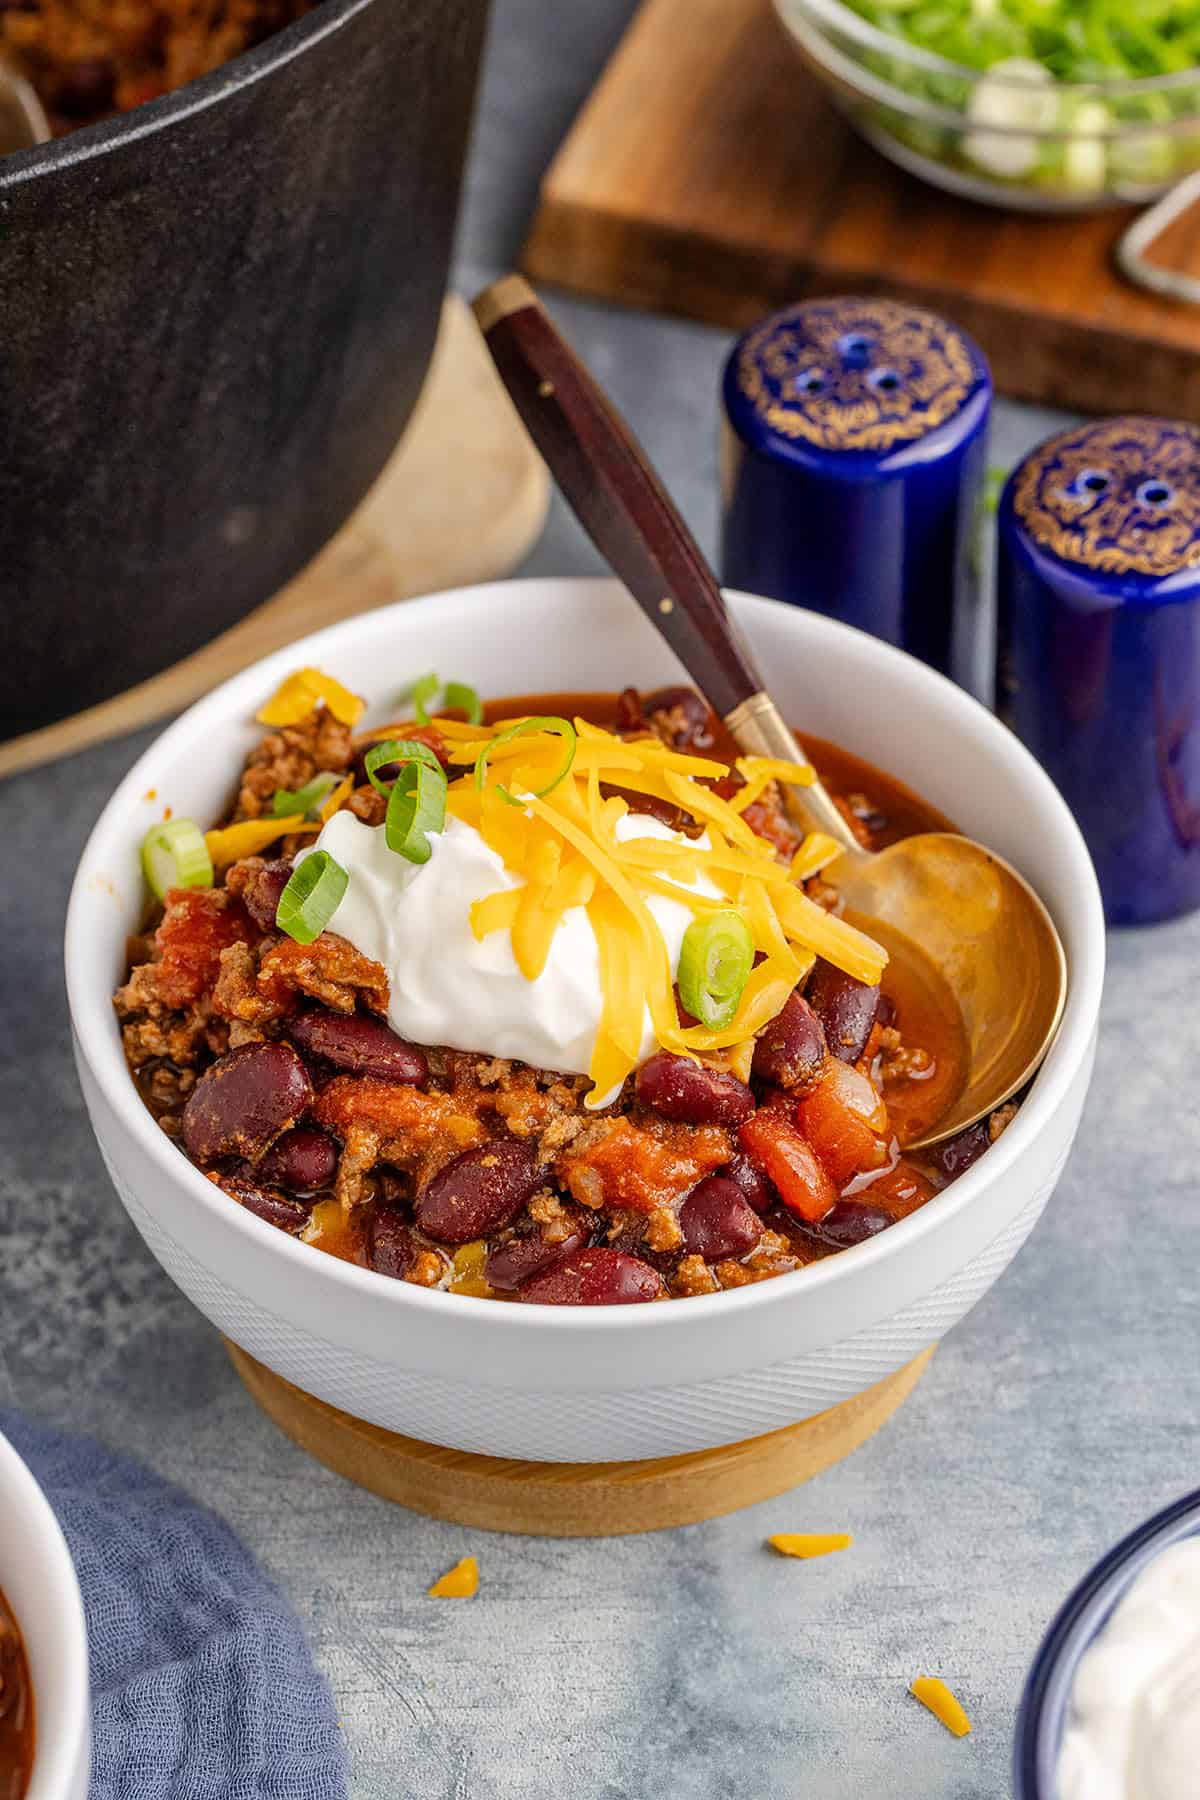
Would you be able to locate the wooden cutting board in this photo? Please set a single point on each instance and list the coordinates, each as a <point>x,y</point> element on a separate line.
<point>462,500</point>
<point>709,176</point>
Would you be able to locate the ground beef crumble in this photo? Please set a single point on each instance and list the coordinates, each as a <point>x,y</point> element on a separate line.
<point>290,758</point>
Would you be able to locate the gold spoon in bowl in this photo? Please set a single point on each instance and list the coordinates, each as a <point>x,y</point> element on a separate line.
<point>934,898</point>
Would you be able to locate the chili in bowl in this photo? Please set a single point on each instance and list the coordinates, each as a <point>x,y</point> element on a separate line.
<point>333,1052</point>
<point>16,1709</point>
<point>45,1726</point>
<point>546,1000</point>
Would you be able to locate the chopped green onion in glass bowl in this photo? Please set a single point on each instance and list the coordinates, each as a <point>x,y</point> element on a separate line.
<point>1046,105</point>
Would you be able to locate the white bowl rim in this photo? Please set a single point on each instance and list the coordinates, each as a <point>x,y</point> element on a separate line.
<point>242,694</point>
<point>55,1759</point>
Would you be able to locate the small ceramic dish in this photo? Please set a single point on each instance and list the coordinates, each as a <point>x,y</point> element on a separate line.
<point>1011,135</point>
<point>1045,1704</point>
<point>37,1579</point>
<point>592,1384</point>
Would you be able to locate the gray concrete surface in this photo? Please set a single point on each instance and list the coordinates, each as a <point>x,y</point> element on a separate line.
<point>692,1663</point>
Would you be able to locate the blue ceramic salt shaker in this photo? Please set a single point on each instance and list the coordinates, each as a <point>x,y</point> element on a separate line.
<point>853,471</point>
<point>1098,667</point>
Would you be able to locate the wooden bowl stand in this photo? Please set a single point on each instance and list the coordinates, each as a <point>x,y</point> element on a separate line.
<point>573,1499</point>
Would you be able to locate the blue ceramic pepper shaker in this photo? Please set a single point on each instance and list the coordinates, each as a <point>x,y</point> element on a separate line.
<point>1098,669</point>
<point>853,471</point>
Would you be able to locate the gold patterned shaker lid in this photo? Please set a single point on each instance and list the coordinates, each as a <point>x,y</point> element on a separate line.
<point>852,374</point>
<point>1118,496</point>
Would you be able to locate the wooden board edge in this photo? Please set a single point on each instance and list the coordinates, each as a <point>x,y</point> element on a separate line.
<point>578,249</point>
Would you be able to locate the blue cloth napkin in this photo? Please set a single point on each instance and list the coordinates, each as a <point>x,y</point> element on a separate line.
<point>202,1684</point>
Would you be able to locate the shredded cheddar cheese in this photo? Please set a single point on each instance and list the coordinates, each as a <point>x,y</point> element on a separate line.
<point>252,836</point>
<point>296,696</point>
<point>807,1544</point>
<point>458,1583</point>
<point>558,832</point>
<point>336,799</point>
<point>936,1696</point>
<point>815,853</point>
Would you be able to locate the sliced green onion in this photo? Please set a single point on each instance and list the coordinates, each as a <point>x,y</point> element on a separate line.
<point>395,750</point>
<point>563,728</point>
<point>174,855</point>
<point>416,806</point>
<point>458,697</point>
<point>422,690</point>
<point>305,799</point>
<point>311,897</point>
<point>715,960</point>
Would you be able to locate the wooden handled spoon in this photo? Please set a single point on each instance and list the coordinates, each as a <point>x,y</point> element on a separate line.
<point>934,896</point>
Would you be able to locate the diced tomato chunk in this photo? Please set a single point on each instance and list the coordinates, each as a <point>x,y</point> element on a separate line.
<point>899,1191</point>
<point>432,737</point>
<point>845,1121</point>
<point>197,925</point>
<point>778,1148</point>
<point>641,1168</point>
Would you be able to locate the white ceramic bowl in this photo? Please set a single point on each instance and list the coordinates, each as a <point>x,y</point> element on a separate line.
<point>37,1578</point>
<point>595,1383</point>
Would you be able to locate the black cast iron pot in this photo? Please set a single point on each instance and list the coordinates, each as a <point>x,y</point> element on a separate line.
<point>215,316</point>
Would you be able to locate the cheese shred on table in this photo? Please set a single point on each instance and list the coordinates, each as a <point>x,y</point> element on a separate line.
<point>458,1583</point>
<point>808,1544</point>
<point>936,1696</point>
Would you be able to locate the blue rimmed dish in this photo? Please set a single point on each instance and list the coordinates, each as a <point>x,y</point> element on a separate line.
<point>1046,1701</point>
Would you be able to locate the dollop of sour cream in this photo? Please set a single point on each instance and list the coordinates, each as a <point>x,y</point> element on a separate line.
<point>1133,1732</point>
<point>448,987</point>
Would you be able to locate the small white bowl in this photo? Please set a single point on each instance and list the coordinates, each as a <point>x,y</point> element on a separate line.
<point>593,1384</point>
<point>37,1579</point>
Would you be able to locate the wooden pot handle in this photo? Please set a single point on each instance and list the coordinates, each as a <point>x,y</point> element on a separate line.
<point>605,476</point>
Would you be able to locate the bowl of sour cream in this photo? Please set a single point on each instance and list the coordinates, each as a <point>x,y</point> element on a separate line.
<point>1111,1709</point>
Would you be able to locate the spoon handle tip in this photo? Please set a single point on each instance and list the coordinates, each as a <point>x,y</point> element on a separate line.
<point>605,476</point>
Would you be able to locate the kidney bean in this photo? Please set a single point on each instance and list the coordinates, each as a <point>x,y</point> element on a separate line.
<point>665,811</point>
<point>304,1160</point>
<point>756,1190</point>
<point>694,725</point>
<point>596,1277</point>
<point>628,714</point>
<point>512,1264</point>
<point>478,1192</point>
<point>845,1007</point>
<point>265,1202</point>
<point>717,1221</point>
<point>260,895</point>
<point>245,1101</point>
<point>363,1046</point>
<point>391,1247</point>
<point>852,1222</point>
<point>956,1155</point>
<point>681,1089</point>
<point>790,1049</point>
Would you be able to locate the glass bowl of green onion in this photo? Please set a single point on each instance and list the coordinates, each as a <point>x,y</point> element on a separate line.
<point>1044,105</point>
